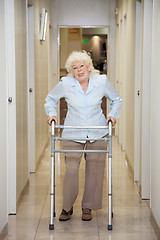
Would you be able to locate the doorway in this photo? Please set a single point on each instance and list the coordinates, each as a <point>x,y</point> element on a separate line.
<point>94,42</point>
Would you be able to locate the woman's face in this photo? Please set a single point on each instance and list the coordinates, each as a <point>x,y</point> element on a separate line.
<point>80,71</point>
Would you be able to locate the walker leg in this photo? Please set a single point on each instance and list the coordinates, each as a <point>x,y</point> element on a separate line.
<point>52,194</point>
<point>109,227</point>
<point>52,199</point>
<point>51,226</point>
<point>110,212</point>
<point>54,211</point>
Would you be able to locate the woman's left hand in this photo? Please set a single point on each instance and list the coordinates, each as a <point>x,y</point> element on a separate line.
<point>111,119</point>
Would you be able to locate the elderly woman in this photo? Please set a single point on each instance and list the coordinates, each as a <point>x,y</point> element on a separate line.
<point>83,89</point>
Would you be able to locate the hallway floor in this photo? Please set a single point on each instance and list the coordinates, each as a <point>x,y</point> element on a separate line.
<point>131,215</point>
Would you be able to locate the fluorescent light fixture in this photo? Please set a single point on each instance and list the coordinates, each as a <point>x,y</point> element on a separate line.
<point>43,24</point>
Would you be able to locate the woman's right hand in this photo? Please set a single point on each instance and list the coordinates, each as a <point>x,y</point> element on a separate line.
<point>50,119</point>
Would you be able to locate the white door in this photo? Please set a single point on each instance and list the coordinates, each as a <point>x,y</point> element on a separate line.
<point>11,118</point>
<point>146,98</point>
<point>137,93</point>
<point>31,90</point>
<point>3,122</point>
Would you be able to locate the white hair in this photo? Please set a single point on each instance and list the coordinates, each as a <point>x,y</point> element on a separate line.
<point>80,56</point>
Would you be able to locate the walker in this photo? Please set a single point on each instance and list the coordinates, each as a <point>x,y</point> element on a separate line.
<point>53,151</point>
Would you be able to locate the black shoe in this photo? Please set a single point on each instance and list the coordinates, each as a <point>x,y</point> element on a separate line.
<point>86,214</point>
<point>65,216</point>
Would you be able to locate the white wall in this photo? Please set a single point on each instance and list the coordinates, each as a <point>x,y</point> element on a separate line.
<point>95,13</point>
<point>3,122</point>
<point>155,115</point>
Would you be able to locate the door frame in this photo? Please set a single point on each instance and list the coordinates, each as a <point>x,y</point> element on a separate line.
<point>83,26</point>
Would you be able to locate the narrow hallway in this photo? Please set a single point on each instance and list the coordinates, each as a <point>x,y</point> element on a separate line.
<point>131,214</point>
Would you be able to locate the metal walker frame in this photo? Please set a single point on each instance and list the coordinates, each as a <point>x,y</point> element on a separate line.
<point>53,151</point>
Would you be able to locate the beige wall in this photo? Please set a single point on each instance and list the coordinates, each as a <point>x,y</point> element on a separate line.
<point>70,40</point>
<point>155,115</point>
<point>74,40</point>
<point>131,16</point>
<point>63,49</point>
<point>125,33</point>
<point>21,96</point>
<point>41,81</point>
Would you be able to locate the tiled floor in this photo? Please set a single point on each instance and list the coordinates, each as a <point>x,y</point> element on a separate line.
<point>131,215</point>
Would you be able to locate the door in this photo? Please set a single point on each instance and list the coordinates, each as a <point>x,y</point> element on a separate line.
<point>146,98</point>
<point>137,95</point>
<point>3,120</point>
<point>11,114</point>
<point>31,90</point>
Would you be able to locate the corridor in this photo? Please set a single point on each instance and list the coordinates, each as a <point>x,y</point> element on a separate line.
<point>131,215</point>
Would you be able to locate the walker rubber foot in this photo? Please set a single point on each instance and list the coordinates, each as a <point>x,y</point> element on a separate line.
<point>109,227</point>
<point>51,226</point>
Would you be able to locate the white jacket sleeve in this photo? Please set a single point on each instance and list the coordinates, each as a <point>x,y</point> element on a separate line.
<point>115,99</point>
<point>53,98</point>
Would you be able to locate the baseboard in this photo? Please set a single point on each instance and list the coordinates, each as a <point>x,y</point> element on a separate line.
<point>155,225</point>
<point>22,194</point>
<point>4,232</point>
<point>140,190</point>
<point>131,170</point>
<point>42,154</point>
